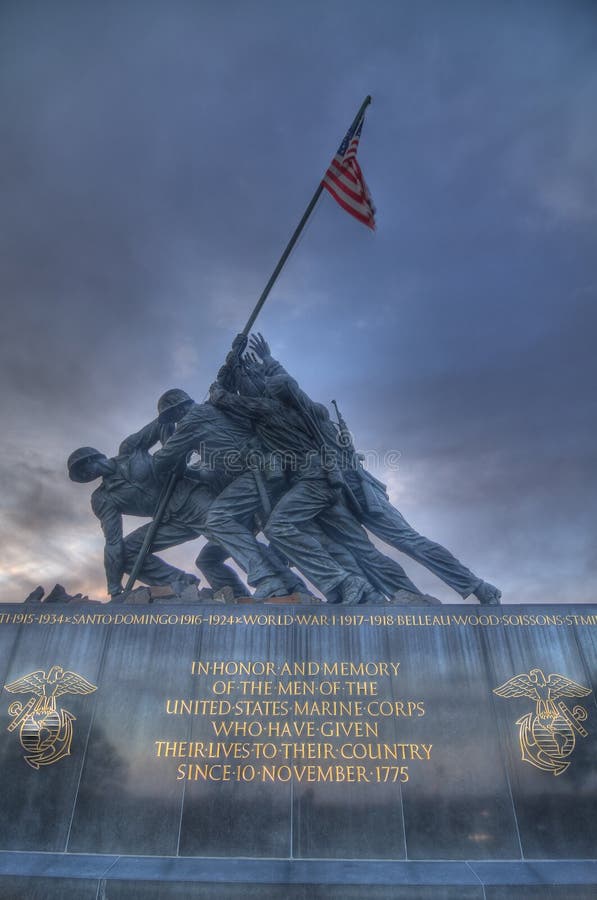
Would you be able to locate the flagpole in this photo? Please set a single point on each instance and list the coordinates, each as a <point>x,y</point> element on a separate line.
<point>296,233</point>
<point>170,484</point>
<point>165,494</point>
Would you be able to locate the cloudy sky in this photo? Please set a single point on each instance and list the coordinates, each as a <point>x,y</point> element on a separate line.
<point>156,156</point>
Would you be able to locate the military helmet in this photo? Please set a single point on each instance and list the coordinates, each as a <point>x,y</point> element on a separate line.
<point>79,456</point>
<point>170,405</point>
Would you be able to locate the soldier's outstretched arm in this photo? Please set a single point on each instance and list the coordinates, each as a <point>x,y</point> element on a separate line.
<point>146,438</point>
<point>252,408</point>
<point>186,438</point>
<point>271,366</point>
<point>230,373</point>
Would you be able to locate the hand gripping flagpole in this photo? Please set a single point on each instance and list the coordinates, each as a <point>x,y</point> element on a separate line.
<point>169,485</point>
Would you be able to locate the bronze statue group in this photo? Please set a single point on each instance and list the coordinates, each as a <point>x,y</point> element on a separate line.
<point>273,483</point>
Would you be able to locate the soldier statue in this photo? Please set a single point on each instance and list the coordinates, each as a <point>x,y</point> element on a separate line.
<point>373,507</point>
<point>131,487</point>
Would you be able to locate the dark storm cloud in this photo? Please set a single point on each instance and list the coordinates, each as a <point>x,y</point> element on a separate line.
<point>155,158</point>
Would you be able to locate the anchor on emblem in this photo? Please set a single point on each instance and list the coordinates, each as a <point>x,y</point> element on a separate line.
<point>548,736</point>
<point>45,729</point>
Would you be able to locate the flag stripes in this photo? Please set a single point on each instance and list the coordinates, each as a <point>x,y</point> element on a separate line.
<point>345,182</point>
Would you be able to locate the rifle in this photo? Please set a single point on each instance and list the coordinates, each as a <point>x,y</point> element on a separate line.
<point>367,480</point>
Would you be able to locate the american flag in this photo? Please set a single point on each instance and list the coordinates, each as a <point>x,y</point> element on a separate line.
<point>344,179</point>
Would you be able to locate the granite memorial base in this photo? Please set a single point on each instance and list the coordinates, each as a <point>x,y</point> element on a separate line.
<point>253,751</point>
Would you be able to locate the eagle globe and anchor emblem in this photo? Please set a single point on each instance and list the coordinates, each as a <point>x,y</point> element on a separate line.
<point>547,736</point>
<point>45,729</point>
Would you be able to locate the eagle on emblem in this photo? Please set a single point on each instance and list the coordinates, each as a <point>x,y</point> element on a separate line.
<point>47,687</point>
<point>544,691</point>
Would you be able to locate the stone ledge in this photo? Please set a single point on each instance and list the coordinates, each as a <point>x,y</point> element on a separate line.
<point>224,870</point>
